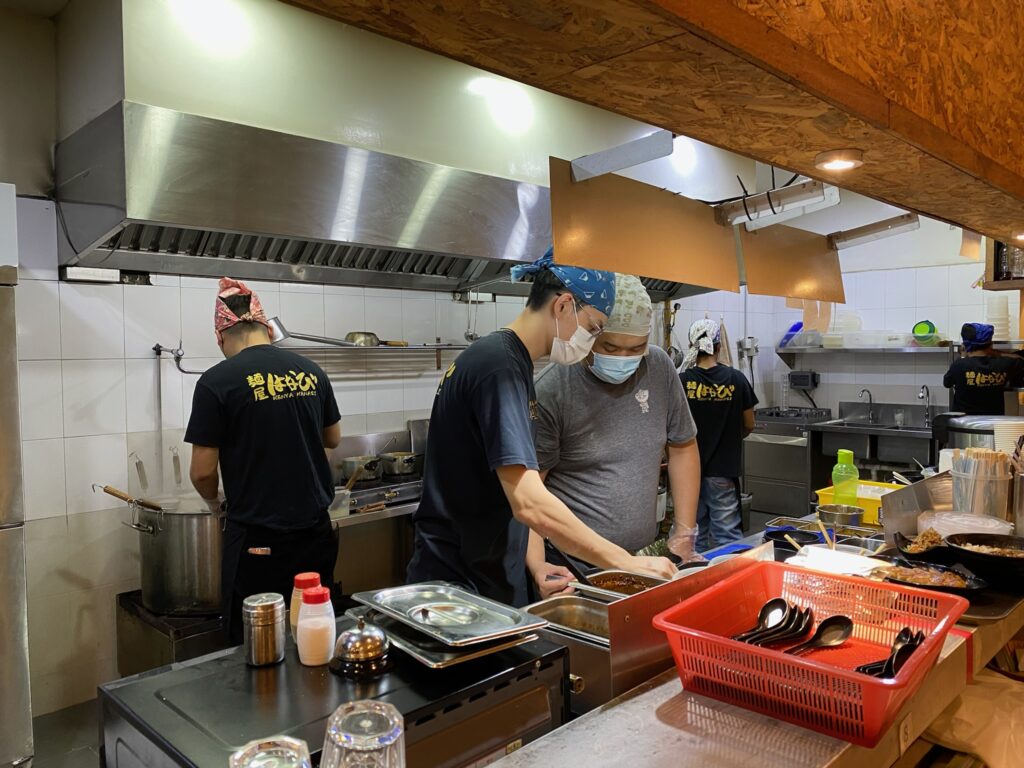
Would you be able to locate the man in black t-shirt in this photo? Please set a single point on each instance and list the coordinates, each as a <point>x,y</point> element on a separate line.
<point>481,488</point>
<point>266,416</point>
<point>722,404</point>
<point>979,378</point>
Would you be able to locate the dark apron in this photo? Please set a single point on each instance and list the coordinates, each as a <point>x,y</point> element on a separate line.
<point>260,559</point>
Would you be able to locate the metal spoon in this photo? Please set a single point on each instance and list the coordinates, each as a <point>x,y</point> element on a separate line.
<point>833,631</point>
<point>772,614</point>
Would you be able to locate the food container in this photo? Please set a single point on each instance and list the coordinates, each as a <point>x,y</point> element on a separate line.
<point>981,494</point>
<point>783,549</point>
<point>821,690</point>
<point>840,514</point>
<point>870,495</point>
<point>371,465</point>
<point>397,463</point>
<point>614,584</point>
<point>263,629</point>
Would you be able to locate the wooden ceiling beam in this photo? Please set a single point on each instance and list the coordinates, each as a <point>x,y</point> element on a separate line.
<point>738,74</point>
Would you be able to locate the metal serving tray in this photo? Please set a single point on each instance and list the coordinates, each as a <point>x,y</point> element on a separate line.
<point>426,650</point>
<point>575,615</point>
<point>848,531</point>
<point>449,614</point>
<point>611,594</point>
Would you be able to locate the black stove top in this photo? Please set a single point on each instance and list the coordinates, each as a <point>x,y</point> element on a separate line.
<point>201,711</point>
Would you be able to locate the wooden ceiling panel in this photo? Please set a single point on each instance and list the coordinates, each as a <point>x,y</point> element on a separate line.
<point>536,38</point>
<point>776,80</point>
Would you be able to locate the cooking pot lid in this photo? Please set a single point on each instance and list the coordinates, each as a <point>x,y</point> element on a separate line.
<point>362,642</point>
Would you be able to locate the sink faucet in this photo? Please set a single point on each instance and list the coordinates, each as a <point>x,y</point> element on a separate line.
<point>871,405</point>
<point>926,395</point>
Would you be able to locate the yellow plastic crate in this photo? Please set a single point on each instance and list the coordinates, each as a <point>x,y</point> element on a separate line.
<point>870,504</point>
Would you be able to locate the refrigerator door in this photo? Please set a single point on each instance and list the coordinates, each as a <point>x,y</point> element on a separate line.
<point>12,510</point>
<point>15,697</point>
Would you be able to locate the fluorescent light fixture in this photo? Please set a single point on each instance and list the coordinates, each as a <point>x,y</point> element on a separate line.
<point>897,225</point>
<point>831,199</point>
<point>765,207</point>
<point>643,150</point>
<point>839,160</point>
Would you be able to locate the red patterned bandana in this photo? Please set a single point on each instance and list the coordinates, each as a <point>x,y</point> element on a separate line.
<point>224,318</point>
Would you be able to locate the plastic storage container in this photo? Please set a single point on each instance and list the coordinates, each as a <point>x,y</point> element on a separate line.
<point>819,690</point>
<point>869,496</point>
<point>981,494</point>
<point>300,584</point>
<point>845,476</point>
<point>316,631</point>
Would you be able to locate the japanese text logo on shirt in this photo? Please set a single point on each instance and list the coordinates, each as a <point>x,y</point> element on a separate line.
<point>713,392</point>
<point>273,386</point>
<point>980,379</point>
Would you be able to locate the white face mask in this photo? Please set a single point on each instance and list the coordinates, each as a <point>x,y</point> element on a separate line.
<point>576,348</point>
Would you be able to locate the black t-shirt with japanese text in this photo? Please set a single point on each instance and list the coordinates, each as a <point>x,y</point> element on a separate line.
<point>978,383</point>
<point>484,417</point>
<point>718,396</point>
<point>265,409</point>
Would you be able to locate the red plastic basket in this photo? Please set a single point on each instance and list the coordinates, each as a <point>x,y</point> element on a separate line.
<point>818,690</point>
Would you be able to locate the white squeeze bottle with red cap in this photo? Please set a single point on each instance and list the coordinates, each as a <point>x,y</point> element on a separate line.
<point>301,583</point>
<point>315,633</point>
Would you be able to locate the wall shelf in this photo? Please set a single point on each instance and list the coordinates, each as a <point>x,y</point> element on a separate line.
<point>788,354</point>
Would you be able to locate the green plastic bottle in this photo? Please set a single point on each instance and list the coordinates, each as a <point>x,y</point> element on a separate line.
<point>845,478</point>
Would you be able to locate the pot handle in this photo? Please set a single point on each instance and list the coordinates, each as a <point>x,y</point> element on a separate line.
<point>409,460</point>
<point>147,529</point>
<point>119,494</point>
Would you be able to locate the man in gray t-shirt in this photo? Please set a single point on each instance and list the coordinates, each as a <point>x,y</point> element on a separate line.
<point>604,427</point>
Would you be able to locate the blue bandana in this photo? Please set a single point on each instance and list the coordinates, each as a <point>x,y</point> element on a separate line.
<point>976,335</point>
<point>595,287</point>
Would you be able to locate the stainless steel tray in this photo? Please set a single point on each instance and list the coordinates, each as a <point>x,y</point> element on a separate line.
<point>449,614</point>
<point>428,651</point>
<point>611,594</point>
<point>575,615</point>
<point>849,531</point>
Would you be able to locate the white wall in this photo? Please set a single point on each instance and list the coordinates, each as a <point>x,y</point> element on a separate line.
<point>28,120</point>
<point>90,63</point>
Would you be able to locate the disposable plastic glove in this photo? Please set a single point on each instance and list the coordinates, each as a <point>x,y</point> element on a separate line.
<point>681,542</point>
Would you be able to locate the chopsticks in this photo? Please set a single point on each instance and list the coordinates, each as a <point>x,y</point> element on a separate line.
<point>824,532</point>
<point>792,541</point>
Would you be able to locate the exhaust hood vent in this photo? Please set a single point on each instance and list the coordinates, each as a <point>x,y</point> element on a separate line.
<point>147,189</point>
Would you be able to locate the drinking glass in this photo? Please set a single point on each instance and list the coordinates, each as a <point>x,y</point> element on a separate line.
<point>364,734</point>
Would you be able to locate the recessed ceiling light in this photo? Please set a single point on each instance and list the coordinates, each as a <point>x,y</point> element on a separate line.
<point>839,160</point>
<point>1019,236</point>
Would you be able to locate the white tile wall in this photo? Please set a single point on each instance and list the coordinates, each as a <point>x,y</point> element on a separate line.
<point>94,397</point>
<point>152,315</point>
<point>142,395</point>
<point>41,394</point>
<point>91,321</point>
<point>94,459</point>
<point>37,311</point>
<point>43,471</point>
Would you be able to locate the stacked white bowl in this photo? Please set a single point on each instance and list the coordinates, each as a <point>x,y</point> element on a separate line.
<point>997,314</point>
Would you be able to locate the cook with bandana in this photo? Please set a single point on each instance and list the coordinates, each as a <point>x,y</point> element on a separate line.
<point>262,420</point>
<point>482,489</point>
<point>722,403</point>
<point>605,427</point>
<point>982,375</point>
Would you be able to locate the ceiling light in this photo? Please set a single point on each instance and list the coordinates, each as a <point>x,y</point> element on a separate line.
<point>1019,236</point>
<point>897,225</point>
<point>839,160</point>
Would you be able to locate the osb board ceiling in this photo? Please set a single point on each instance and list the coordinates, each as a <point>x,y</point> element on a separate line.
<point>611,222</point>
<point>720,72</point>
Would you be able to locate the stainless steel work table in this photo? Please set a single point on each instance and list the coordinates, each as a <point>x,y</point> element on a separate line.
<point>659,725</point>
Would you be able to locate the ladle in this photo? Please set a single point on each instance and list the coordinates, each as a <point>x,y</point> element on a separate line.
<point>833,631</point>
<point>772,614</point>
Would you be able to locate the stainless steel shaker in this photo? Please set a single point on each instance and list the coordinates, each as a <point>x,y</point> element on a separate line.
<point>264,626</point>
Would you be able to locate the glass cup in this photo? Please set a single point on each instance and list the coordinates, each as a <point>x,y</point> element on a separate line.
<point>364,734</point>
<point>275,752</point>
<point>899,417</point>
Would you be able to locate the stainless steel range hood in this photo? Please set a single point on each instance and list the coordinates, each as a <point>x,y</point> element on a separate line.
<point>148,189</point>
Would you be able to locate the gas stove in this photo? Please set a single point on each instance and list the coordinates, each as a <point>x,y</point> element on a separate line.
<point>391,491</point>
<point>788,421</point>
